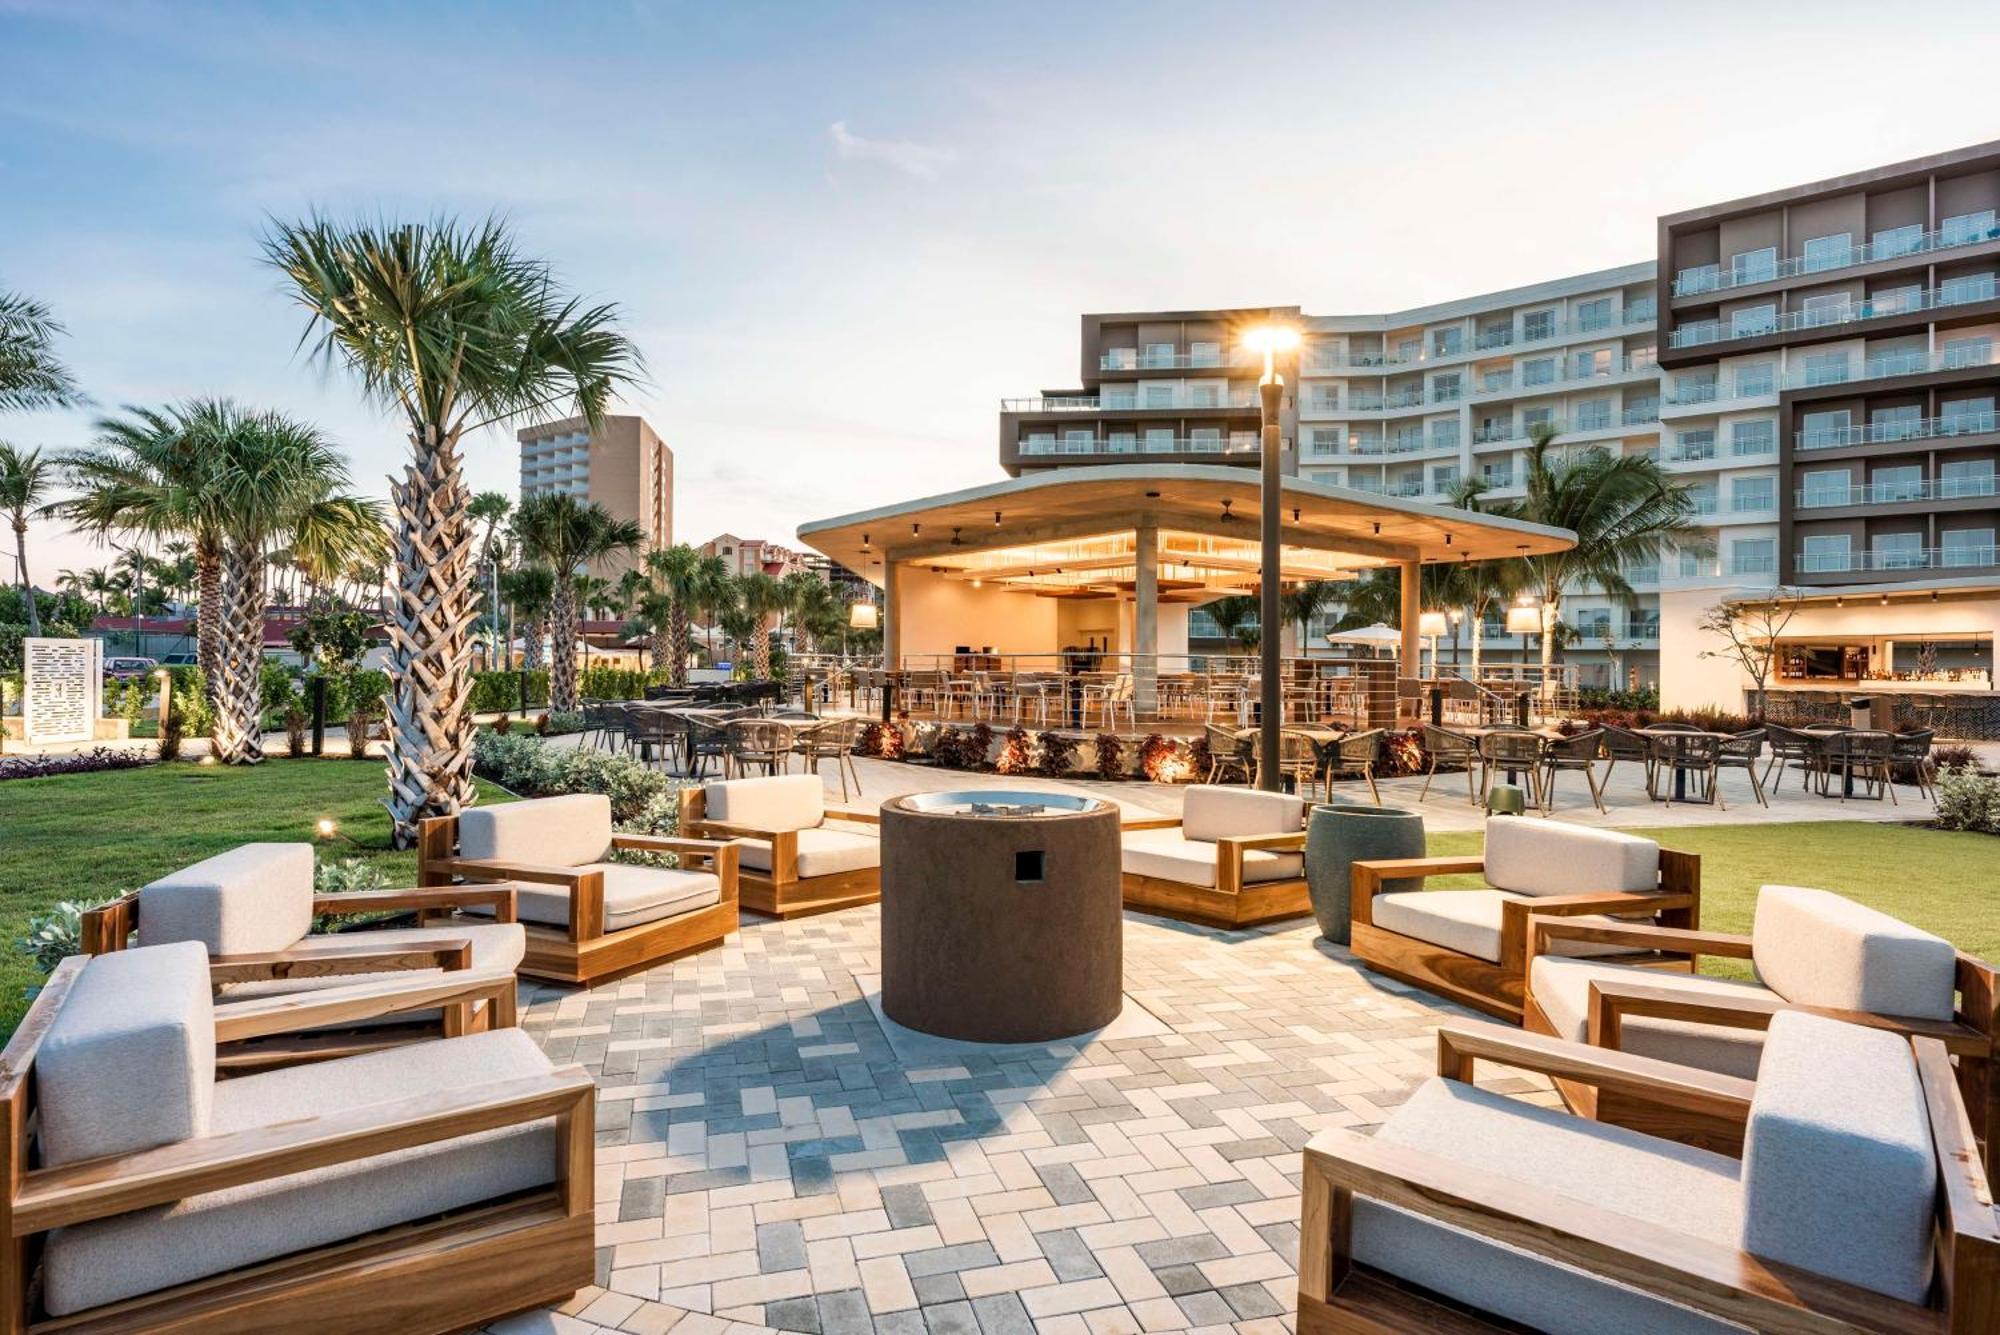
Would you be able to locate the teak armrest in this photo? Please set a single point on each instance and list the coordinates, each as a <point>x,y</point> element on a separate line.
<point>858,817</point>
<point>707,850</point>
<point>1365,879</point>
<point>500,898</point>
<point>493,869</point>
<point>1241,842</point>
<point>360,958</point>
<point>1614,1000</point>
<point>97,1188</point>
<point>706,828</point>
<point>1515,913</point>
<point>1638,936</point>
<point>1151,823</point>
<point>263,1016</point>
<point>1667,1084</point>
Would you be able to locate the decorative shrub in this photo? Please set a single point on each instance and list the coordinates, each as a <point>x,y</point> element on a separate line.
<point>56,935</point>
<point>559,723</point>
<point>1954,757</point>
<point>80,762</point>
<point>1968,800</point>
<point>1058,754</point>
<point>500,692</point>
<point>361,722</point>
<point>1646,699</point>
<point>1013,758</point>
<point>1161,761</point>
<point>296,721</point>
<point>523,765</point>
<point>880,740</point>
<point>1402,753</point>
<point>1110,756</point>
<point>1200,757</point>
<point>333,878</point>
<point>978,744</point>
<point>504,724</point>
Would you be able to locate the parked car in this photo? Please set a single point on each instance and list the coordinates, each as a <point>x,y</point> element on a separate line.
<point>129,669</point>
<point>177,660</point>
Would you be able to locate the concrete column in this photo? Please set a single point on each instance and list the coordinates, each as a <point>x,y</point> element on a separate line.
<point>892,615</point>
<point>1146,620</point>
<point>1410,668</point>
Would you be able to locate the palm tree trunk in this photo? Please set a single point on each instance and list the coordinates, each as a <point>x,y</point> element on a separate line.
<point>677,643</point>
<point>27,586</point>
<point>532,636</point>
<point>660,646</point>
<point>1550,606</point>
<point>562,662</point>
<point>761,651</point>
<point>208,614</point>
<point>238,734</point>
<point>430,639</point>
<point>1478,638</point>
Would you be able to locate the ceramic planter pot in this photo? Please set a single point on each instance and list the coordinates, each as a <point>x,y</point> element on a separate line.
<point>1338,836</point>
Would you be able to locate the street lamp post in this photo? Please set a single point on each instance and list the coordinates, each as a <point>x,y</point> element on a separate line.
<point>1269,340</point>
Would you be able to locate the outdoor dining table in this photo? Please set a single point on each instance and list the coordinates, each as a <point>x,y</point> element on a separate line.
<point>1681,771</point>
<point>1820,734</point>
<point>1481,730</point>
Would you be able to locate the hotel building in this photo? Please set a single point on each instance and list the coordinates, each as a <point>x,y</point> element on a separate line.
<point>623,466</point>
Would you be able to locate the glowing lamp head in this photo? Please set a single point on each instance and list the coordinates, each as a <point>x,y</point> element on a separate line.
<point>1433,624</point>
<point>1524,619</point>
<point>1270,339</point>
<point>863,616</point>
<point>327,827</point>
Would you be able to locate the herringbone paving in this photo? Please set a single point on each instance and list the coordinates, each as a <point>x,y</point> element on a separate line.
<point>766,1160</point>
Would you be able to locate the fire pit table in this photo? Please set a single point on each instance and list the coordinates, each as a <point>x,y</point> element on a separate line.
<point>1001,920</point>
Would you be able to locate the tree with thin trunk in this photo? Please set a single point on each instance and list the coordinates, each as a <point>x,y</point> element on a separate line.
<point>796,592</point>
<point>714,593</point>
<point>1304,601</point>
<point>26,481</point>
<point>739,628</point>
<point>530,590</point>
<point>1750,628</point>
<point>675,572</point>
<point>491,508</point>
<point>1231,614</point>
<point>566,534</point>
<point>761,596</point>
<point>31,375</point>
<point>452,327</point>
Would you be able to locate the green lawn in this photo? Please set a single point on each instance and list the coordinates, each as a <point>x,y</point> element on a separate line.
<point>90,837</point>
<point>1944,883</point>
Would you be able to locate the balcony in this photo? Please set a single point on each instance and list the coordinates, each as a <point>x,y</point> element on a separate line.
<point>1710,278</point>
<point>1127,446</point>
<point>1907,558</point>
<point>1937,298</point>
<point>1889,493</point>
<point>1876,433</point>
<point>1896,364</point>
<point>1128,403</point>
<point>1126,359</point>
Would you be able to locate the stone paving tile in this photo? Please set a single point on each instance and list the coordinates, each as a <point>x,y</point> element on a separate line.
<point>766,1161</point>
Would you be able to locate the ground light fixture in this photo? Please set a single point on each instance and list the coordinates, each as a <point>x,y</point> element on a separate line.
<point>1269,340</point>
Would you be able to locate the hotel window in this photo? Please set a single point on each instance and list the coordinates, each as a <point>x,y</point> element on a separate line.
<point>1965,477</point>
<point>1329,476</point>
<point>1447,342</point>
<point>1893,241</point>
<point>1594,315</point>
<point>1159,396</point>
<point>1538,324</point>
<point>1497,475</point>
<point>1540,371</point>
<point>1692,446</point>
<point>1159,354</point>
<point>1702,498</point>
<point>1203,396</point>
<point>1159,440</point>
<point>1826,428</point>
<point>1364,442</point>
<point>1323,440</point>
<point>1753,438</point>
<point>1594,415</point>
<point>1753,266</point>
<point>1826,308</point>
<point>1896,300</point>
<point>1827,551</point>
<point>1968,547</point>
<point>1826,368</point>
<point>1444,432</point>
<point>1079,441</point>
<point>1698,278</point>
<point>1124,442</point>
<point>1495,379</point>
<point>1496,335</point>
<point>1446,388</point>
<point>1115,397</point>
<point>1966,228</point>
<point>1966,287</point>
<point>1905,482</point>
<point>1642,356</point>
<point>1748,321</point>
<point>1754,379</point>
<point>1534,417</point>
<point>1753,495</point>
<point>1826,486</point>
<point>1121,359</point>
<point>1039,442</point>
<point>1409,350</point>
<point>1205,440</point>
<point>1827,252</point>
<point>1753,556</point>
<point>1905,421</point>
<point>1897,551</point>
<point>1204,354</point>
<point>1444,477</point>
<point>1961,352</point>
<point>1593,363</point>
<point>1967,415</point>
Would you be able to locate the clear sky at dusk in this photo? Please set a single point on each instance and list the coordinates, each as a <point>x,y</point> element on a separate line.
<point>841,232</point>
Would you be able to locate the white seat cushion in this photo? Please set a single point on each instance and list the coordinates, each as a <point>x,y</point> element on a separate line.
<point>1167,855</point>
<point>1467,921</point>
<point>85,1265</point>
<point>1561,987</point>
<point>779,802</point>
<point>497,948</point>
<point>1820,949</point>
<point>1689,1190</point>
<point>1839,1173</point>
<point>254,898</point>
<point>129,1063</point>
<point>1210,812</point>
<point>1540,857</point>
<point>823,851</point>
<point>547,832</point>
<point>632,895</point>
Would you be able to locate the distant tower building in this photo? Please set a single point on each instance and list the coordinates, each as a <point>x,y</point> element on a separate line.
<point>624,466</point>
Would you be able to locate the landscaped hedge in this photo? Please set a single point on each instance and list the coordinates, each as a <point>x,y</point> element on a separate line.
<point>77,762</point>
<point>499,692</point>
<point>642,799</point>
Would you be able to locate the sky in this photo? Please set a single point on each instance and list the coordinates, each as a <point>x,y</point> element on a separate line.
<point>841,233</point>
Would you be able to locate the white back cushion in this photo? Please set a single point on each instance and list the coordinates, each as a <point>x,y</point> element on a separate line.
<point>550,831</point>
<point>1210,812</point>
<point>129,1063</point>
<point>254,898</point>
<point>780,802</point>
<point>1531,856</point>
<point>1815,948</point>
<point>1838,1170</point>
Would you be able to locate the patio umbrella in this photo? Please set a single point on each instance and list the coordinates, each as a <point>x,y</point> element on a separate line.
<point>1375,637</point>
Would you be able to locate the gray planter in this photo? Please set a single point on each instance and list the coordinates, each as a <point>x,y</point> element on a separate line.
<point>1340,835</point>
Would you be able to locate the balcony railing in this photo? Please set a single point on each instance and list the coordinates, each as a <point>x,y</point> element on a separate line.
<point>1887,493</point>
<point>1895,364</point>
<point>1907,558</point>
<point>1710,278</point>
<point>1937,298</point>
<point>1875,433</point>
<point>1126,403</point>
<point>1239,444</point>
<point>1126,360</point>
<point>1635,315</point>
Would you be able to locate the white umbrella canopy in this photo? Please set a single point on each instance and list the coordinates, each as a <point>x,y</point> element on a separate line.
<point>1377,634</point>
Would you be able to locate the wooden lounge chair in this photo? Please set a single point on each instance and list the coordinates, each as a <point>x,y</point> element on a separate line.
<point>1233,859</point>
<point>1860,1206</point>
<point>252,910</point>
<point>1471,945</point>
<point>586,918</point>
<point>424,1188</point>
<point>1813,950</point>
<point>793,860</point>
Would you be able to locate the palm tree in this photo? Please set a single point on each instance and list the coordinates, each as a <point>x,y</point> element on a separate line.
<point>491,508</point>
<point>566,534</point>
<point>739,627</point>
<point>1305,601</point>
<point>455,329</point>
<point>31,376</point>
<point>760,595</point>
<point>26,479</point>
<point>1230,614</point>
<point>714,593</point>
<point>530,590</point>
<point>797,590</point>
<point>1624,509</point>
<point>676,573</point>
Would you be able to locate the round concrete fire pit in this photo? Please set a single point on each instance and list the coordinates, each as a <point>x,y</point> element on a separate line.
<point>1000,915</point>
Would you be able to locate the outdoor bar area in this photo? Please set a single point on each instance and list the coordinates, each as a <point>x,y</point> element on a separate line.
<point>1062,599</point>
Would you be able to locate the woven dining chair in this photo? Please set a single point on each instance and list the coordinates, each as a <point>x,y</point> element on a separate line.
<point>1512,750</point>
<point>1355,754</point>
<point>1912,751</point>
<point>1446,747</point>
<point>835,739</point>
<point>759,742</point>
<point>1624,744</point>
<point>1867,756</point>
<point>1743,751</point>
<point>1228,753</point>
<point>1693,753</point>
<point>1576,754</point>
<point>1788,745</point>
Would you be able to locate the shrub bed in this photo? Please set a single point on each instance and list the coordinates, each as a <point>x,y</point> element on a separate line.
<point>643,800</point>
<point>80,762</point>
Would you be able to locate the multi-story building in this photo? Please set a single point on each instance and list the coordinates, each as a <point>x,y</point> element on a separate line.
<point>750,556</point>
<point>623,466</point>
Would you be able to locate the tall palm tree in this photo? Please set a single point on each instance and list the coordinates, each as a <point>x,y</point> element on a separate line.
<point>740,626</point>
<point>451,326</point>
<point>26,481</point>
<point>566,535</point>
<point>797,591</point>
<point>675,571</point>
<point>1231,614</point>
<point>31,375</point>
<point>1302,602</point>
<point>530,590</point>
<point>1624,509</point>
<point>714,593</point>
<point>760,596</point>
<point>491,508</point>
<point>1478,586</point>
